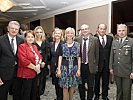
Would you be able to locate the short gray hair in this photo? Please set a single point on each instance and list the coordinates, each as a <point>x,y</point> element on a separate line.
<point>14,22</point>
<point>124,25</point>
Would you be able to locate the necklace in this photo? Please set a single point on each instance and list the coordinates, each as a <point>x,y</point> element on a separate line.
<point>70,44</point>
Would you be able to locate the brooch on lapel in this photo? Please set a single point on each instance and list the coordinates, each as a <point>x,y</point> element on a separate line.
<point>126,52</point>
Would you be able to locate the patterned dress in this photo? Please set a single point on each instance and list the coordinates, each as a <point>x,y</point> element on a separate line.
<point>69,66</point>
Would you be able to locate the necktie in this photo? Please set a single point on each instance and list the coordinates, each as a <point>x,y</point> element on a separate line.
<point>12,45</point>
<point>84,51</point>
<point>103,42</point>
<point>120,41</point>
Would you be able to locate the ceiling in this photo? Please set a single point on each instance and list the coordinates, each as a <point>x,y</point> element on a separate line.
<point>26,9</point>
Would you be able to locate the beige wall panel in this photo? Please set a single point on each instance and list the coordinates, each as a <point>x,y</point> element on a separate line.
<point>47,24</point>
<point>94,16</point>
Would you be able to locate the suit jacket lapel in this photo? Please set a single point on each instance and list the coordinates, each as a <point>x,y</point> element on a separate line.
<point>80,40</point>
<point>124,43</point>
<point>8,43</point>
<point>90,43</point>
<point>107,41</point>
<point>18,40</point>
<point>99,41</point>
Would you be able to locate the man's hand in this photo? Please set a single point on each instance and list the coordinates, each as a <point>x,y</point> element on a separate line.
<point>1,83</point>
<point>37,68</point>
<point>78,73</point>
<point>111,72</point>
<point>131,76</point>
<point>58,73</point>
<point>42,65</point>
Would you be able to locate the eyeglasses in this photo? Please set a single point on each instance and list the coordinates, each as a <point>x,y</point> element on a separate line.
<point>14,29</point>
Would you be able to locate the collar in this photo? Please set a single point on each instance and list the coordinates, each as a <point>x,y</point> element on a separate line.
<point>123,39</point>
<point>102,36</point>
<point>10,38</point>
<point>85,38</point>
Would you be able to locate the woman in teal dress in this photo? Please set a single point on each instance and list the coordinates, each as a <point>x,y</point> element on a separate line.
<point>69,65</point>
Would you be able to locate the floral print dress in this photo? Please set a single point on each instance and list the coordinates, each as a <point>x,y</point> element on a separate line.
<point>69,66</point>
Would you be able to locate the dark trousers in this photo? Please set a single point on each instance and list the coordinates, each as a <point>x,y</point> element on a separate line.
<point>105,83</point>
<point>29,89</point>
<point>123,85</point>
<point>4,89</point>
<point>17,86</point>
<point>10,90</point>
<point>44,73</point>
<point>41,83</point>
<point>88,78</point>
<point>58,89</point>
<point>59,92</point>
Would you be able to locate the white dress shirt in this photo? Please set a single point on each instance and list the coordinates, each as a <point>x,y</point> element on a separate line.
<point>87,44</point>
<point>101,40</point>
<point>123,39</point>
<point>14,42</point>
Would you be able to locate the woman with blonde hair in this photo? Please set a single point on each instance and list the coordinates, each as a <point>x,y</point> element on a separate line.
<point>55,48</point>
<point>42,45</point>
<point>69,64</point>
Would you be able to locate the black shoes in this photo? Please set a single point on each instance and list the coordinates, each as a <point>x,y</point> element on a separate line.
<point>96,98</point>
<point>106,98</point>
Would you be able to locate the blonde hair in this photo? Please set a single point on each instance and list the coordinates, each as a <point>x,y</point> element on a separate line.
<point>68,30</point>
<point>53,35</point>
<point>43,33</point>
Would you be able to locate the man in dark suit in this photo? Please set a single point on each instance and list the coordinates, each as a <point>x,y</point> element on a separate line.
<point>8,59</point>
<point>121,63</point>
<point>105,42</point>
<point>90,56</point>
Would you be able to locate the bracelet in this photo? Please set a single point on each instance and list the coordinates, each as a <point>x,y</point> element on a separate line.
<point>78,68</point>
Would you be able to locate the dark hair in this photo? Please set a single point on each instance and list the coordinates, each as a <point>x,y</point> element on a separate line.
<point>23,27</point>
<point>103,24</point>
<point>29,31</point>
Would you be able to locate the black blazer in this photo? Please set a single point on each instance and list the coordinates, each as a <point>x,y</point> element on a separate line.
<point>104,53</point>
<point>7,58</point>
<point>54,56</point>
<point>44,51</point>
<point>45,47</point>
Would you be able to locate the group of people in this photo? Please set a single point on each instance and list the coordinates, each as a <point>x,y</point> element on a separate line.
<point>72,60</point>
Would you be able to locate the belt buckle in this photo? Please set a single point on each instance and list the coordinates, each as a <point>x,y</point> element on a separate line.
<point>72,57</point>
<point>67,58</point>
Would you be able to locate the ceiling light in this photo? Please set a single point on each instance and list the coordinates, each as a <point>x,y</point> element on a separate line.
<point>31,7</point>
<point>32,10</point>
<point>47,8</point>
<point>5,5</point>
<point>64,3</point>
<point>23,4</point>
<point>26,17</point>
<point>34,13</point>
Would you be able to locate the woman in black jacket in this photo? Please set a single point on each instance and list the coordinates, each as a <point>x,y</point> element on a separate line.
<point>42,44</point>
<point>55,48</point>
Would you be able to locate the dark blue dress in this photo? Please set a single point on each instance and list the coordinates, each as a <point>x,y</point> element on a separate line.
<point>69,66</point>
